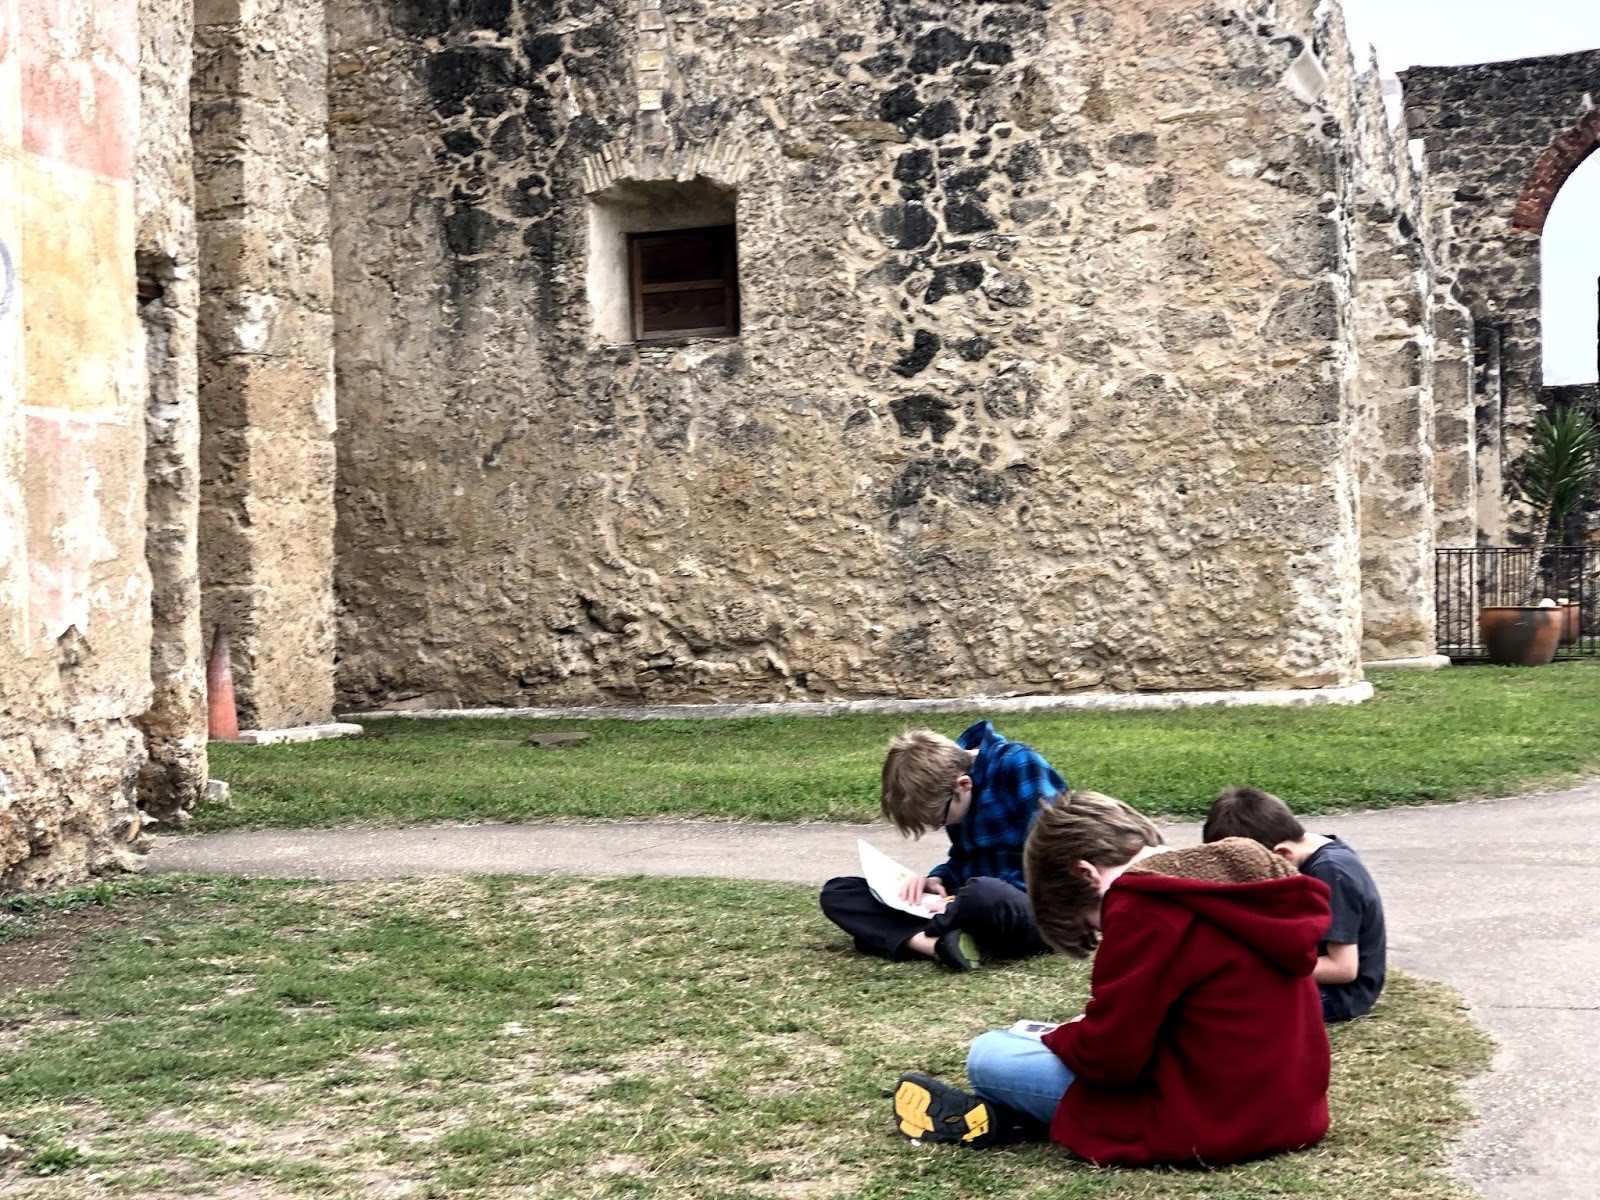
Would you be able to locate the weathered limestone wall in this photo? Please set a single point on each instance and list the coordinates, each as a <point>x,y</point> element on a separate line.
<point>174,772</point>
<point>1501,138</point>
<point>265,328</point>
<point>1395,391</point>
<point>1455,481</point>
<point>74,588</point>
<point>1043,381</point>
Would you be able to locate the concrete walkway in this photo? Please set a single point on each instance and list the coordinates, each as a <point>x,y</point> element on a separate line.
<point>1501,899</point>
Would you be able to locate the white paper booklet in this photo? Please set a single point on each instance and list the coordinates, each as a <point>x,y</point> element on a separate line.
<point>886,877</point>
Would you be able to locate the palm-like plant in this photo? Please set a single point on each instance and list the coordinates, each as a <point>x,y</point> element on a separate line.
<point>1558,473</point>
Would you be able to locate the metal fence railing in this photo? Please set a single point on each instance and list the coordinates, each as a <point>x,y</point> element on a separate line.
<point>1469,579</point>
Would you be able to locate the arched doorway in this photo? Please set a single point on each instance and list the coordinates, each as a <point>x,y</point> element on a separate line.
<point>1570,291</point>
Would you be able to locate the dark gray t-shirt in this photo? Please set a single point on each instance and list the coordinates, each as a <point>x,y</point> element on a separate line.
<point>1358,919</point>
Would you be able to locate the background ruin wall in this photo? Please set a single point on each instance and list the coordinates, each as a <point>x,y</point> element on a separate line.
<point>1500,140</point>
<point>1401,288</point>
<point>74,587</point>
<point>266,353</point>
<point>173,776</point>
<point>1045,380</point>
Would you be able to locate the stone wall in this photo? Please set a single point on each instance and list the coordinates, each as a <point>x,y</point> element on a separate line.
<point>74,587</point>
<point>1455,488</point>
<point>174,772</point>
<point>1500,139</point>
<point>1043,382</point>
<point>265,329</point>
<point>1395,389</point>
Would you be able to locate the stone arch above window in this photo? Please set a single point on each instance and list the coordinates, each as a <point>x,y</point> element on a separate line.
<point>1555,166</point>
<point>718,160</point>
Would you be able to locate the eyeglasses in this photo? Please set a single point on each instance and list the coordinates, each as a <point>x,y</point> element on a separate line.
<point>948,805</point>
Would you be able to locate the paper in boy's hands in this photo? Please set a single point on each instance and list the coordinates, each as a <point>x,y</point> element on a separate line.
<point>885,878</point>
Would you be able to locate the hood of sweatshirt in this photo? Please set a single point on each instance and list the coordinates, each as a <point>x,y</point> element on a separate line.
<point>1282,917</point>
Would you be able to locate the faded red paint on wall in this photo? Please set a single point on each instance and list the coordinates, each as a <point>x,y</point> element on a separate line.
<point>80,82</point>
<point>72,71</point>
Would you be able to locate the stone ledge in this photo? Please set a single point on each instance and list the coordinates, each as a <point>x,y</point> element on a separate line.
<point>1356,693</point>
<point>1432,662</point>
<point>301,733</point>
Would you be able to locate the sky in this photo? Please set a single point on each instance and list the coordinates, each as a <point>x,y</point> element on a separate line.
<point>1410,33</point>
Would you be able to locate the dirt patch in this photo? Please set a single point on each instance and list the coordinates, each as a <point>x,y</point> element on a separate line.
<point>44,958</point>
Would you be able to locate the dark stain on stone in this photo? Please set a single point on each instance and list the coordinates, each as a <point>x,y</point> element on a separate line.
<point>924,345</point>
<point>462,142</point>
<point>923,413</point>
<point>914,166</point>
<point>937,49</point>
<point>470,231</point>
<point>542,50</point>
<point>494,15</point>
<point>422,18</point>
<point>1024,163</point>
<point>908,226</point>
<point>963,480</point>
<point>526,201</point>
<point>901,104</point>
<point>1135,149</point>
<point>994,54</point>
<point>938,119</point>
<point>885,63</point>
<point>969,180</point>
<point>1074,157</point>
<point>974,349</point>
<point>967,216</point>
<point>953,279</point>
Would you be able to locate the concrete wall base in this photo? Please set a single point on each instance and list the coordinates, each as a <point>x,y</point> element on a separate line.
<point>1087,702</point>
<point>1432,662</point>
<point>302,733</point>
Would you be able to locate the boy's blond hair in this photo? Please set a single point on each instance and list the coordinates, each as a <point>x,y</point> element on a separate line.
<point>1073,828</point>
<point>919,779</point>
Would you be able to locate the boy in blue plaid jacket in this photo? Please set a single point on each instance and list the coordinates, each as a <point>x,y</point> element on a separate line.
<point>985,792</point>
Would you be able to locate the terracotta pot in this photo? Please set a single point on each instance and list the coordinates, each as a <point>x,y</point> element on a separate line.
<point>1521,637</point>
<point>1572,627</point>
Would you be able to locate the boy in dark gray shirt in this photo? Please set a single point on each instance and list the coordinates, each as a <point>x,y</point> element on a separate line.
<point>1352,963</point>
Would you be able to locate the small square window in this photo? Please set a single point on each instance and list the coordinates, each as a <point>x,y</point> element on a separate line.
<point>684,283</point>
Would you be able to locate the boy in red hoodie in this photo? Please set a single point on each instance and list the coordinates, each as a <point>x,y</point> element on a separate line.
<point>1203,1040</point>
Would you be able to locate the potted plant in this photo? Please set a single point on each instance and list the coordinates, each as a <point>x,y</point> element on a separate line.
<point>1572,620</point>
<point>1558,473</point>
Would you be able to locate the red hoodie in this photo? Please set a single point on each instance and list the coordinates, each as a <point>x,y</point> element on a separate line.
<point>1203,1039</point>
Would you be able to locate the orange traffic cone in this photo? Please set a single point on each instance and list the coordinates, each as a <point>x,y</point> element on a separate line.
<point>222,714</point>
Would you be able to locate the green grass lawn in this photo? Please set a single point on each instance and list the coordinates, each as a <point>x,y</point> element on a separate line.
<point>1466,732</point>
<point>595,1039</point>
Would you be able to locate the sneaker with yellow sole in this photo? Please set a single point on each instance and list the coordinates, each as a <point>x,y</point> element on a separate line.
<point>928,1110</point>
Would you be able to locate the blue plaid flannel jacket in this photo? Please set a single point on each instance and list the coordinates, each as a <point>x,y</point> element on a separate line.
<point>1009,782</point>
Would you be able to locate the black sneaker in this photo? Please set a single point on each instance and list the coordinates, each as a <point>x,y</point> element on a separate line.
<point>927,1110</point>
<point>957,951</point>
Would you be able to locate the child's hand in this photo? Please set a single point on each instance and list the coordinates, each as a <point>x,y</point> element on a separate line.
<point>912,890</point>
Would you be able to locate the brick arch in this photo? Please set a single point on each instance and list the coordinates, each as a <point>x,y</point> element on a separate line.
<point>719,160</point>
<point>1554,168</point>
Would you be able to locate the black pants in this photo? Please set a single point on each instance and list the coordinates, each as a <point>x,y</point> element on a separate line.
<point>996,914</point>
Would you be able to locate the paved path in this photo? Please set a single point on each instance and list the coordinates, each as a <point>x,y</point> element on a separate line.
<point>1501,899</point>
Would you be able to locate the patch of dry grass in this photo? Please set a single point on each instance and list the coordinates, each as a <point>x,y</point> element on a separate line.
<point>591,1040</point>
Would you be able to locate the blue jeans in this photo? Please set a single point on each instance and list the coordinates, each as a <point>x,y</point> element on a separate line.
<point>1019,1072</point>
